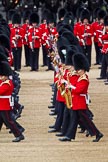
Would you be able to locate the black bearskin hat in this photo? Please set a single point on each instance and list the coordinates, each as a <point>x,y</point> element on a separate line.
<point>69,19</point>
<point>26,15</point>
<point>80,62</point>
<point>4,41</point>
<point>71,50</point>
<point>61,13</point>
<point>45,15</point>
<point>51,18</point>
<point>5,68</point>
<point>3,54</point>
<point>16,18</point>
<point>11,13</point>
<point>106,20</point>
<point>95,13</point>
<point>78,12</point>
<point>34,18</point>
<point>101,14</point>
<point>85,14</point>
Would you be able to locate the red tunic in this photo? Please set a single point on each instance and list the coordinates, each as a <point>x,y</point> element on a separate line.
<point>99,33</point>
<point>25,39</point>
<point>79,93</point>
<point>105,44</point>
<point>34,32</point>
<point>6,89</point>
<point>85,34</point>
<point>94,28</point>
<point>17,41</point>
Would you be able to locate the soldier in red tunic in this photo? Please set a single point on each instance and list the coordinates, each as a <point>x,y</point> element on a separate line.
<point>85,34</point>
<point>25,27</point>
<point>79,101</point>
<point>6,89</point>
<point>34,36</point>
<point>17,34</point>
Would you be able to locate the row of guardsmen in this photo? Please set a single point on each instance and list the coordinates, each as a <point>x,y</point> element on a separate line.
<point>10,83</point>
<point>34,35</point>
<point>70,100</point>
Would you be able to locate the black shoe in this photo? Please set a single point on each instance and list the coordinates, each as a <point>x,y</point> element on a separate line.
<point>20,109</point>
<point>59,134</point>
<point>52,110</point>
<point>106,83</point>
<point>52,131</point>
<point>22,130</point>
<point>100,78</point>
<point>98,137</point>
<point>100,67</point>
<point>87,134</point>
<point>51,126</point>
<point>52,113</point>
<point>18,139</point>
<point>82,131</point>
<point>64,139</point>
<point>50,107</point>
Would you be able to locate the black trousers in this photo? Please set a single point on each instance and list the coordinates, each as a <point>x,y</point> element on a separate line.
<point>104,69</point>
<point>55,94</point>
<point>97,52</point>
<point>100,55</point>
<point>87,52</point>
<point>59,119</point>
<point>66,120</point>
<point>34,59</point>
<point>27,55</point>
<point>5,117</point>
<point>44,50</point>
<point>49,63</point>
<point>17,54</point>
<point>89,125</point>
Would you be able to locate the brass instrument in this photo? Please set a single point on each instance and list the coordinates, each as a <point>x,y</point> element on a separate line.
<point>66,93</point>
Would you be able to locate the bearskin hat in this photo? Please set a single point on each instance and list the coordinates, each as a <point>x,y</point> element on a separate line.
<point>106,20</point>
<point>85,14</point>
<point>70,37</point>
<point>101,14</point>
<point>61,13</point>
<point>78,12</point>
<point>11,13</point>
<point>26,15</point>
<point>5,68</point>
<point>71,50</point>
<point>1,16</point>
<point>95,13</point>
<point>34,18</point>
<point>51,18</point>
<point>80,62</point>
<point>16,18</point>
<point>45,15</point>
<point>69,19</point>
<point>4,41</point>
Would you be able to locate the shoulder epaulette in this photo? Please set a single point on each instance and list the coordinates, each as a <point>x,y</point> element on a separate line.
<point>83,77</point>
<point>5,82</point>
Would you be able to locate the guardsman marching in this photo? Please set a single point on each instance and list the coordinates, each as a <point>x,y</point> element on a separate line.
<point>6,89</point>
<point>34,36</point>
<point>85,34</point>
<point>17,35</point>
<point>25,26</point>
<point>79,101</point>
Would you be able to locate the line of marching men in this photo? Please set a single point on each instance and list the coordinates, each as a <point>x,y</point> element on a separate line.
<point>10,108</point>
<point>70,102</point>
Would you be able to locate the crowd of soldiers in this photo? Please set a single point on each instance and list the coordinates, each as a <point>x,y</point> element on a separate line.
<point>71,60</point>
<point>10,108</point>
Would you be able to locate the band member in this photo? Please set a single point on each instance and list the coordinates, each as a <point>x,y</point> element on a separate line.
<point>34,36</point>
<point>85,34</point>
<point>17,35</point>
<point>6,89</point>
<point>79,101</point>
<point>25,26</point>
